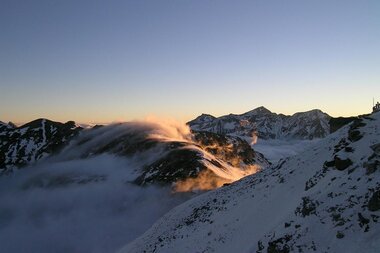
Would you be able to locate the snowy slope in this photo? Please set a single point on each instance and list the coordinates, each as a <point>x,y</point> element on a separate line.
<point>267,125</point>
<point>327,199</point>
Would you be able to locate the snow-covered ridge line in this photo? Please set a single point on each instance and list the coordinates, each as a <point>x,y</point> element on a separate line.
<point>33,141</point>
<point>268,125</point>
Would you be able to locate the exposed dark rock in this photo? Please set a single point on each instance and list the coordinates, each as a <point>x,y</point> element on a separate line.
<point>279,245</point>
<point>341,145</point>
<point>363,221</point>
<point>374,202</point>
<point>371,166</point>
<point>337,123</point>
<point>329,164</point>
<point>373,163</point>
<point>260,246</point>
<point>339,164</point>
<point>176,165</point>
<point>349,149</point>
<point>308,207</point>
<point>339,235</point>
<point>353,133</point>
<point>342,164</point>
<point>376,148</point>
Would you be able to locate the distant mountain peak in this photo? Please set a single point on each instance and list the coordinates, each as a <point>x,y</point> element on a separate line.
<point>259,110</point>
<point>35,140</point>
<point>204,118</point>
<point>7,125</point>
<point>313,111</point>
<point>206,115</point>
<point>11,124</point>
<point>303,125</point>
<point>262,109</point>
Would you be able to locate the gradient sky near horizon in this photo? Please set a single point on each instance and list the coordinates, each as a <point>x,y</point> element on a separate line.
<point>104,61</point>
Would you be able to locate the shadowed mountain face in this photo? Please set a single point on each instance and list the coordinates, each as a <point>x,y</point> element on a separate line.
<point>165,156</point>
<point>266,124</point>
<point>337,123</point>
<point>33,141</point>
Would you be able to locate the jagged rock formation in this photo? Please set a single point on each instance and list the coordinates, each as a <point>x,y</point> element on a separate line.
<point>266,124</point>
<point>326,199</point>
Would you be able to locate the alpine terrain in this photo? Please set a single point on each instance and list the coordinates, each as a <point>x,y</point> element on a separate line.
<point>267,125</point>
<point>326,199</point>
<point>60,183</point>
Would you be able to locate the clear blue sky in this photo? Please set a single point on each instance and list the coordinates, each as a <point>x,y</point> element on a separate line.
<point>100,61</point>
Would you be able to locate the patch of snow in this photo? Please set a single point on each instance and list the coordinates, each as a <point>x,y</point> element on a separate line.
<point>22,131</point>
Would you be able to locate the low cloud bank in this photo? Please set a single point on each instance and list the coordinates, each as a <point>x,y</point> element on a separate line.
<point>78,206</point>
<point>83,199</point>
<point>274,150</point>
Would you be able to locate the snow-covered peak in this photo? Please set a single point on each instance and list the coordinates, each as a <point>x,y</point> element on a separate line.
<point>267,125</point>
<point>32,141</point>
<point>7,125</point>
<point>205,118</point>
<point>313,114</point>
<point>11,124</point>
<point>258,111</point>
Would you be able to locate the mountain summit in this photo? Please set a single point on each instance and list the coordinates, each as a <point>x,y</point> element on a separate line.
<point>266,124</point>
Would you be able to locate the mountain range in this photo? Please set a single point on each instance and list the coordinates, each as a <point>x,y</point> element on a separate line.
<point>265,124</point>
<point>40,138</point>
<point>225,195</point>
<point>186,155</point>
<point>33,141</point>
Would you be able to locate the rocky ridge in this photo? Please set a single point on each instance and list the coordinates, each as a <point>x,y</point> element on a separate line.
<point>33,141</point>
<point>266,124</point>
